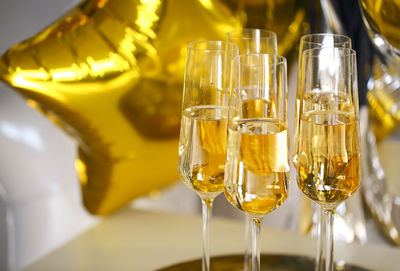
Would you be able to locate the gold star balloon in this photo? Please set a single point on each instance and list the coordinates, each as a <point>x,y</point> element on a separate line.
<point>110,74</point>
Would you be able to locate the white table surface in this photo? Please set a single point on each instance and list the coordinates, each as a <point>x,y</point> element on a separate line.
<point>143,240</point>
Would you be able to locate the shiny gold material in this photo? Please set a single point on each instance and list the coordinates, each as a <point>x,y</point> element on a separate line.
<point>110,74</point>
<point>384,100</point>
<point>383,24</point>
<point>287,18</point>
<point>386,120</point>
<point>384,14</point>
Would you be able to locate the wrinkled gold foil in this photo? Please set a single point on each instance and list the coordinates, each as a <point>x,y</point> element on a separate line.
<point>287,18</point>
<point>110,74</point>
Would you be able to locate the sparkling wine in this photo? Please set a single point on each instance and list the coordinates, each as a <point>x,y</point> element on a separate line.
<point>323,101</point>
<point>202,148</point>
<point>257,168</point>
<point>329,156</point>
<point>253,108</point>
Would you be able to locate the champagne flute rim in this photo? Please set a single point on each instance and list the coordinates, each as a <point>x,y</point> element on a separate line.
<point>219,46</point>
<point>308,38</point>
<point>346,51</point>
<point>268,34</point>
<point>280,59</point>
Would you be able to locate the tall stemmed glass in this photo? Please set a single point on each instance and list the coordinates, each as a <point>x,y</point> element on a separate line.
<point>307,42</point>
<point>257,166</point>
<point>252,41</point>
<point>328,150</point>
<point>203,135</point>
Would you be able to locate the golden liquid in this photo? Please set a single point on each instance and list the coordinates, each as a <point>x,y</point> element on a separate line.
<point>384,17</point>
<point>202,149</point>
<point>110,74</point>
<point>329,157</point>
<point>257,168</point>
<point>320,101</point>
<point>256,108</point>
<point>317,101</point>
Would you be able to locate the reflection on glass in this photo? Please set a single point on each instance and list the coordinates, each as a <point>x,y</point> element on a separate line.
<point>328,147</point>
<point>253,41</point>
<point>202,141</point>
<point>257,166</point>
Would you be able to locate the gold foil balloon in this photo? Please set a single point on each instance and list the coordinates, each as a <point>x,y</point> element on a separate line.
<point>110,74</point>
<point>383,25</point>
<point>287,18</point>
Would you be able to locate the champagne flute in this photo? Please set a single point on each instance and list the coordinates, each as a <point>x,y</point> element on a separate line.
<point>328,150</point>
<point>203,135</point>
<point>257,165</point>
<point>252,41</point>
<point>307,42</point>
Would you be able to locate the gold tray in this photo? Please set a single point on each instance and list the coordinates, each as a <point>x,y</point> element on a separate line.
<point>268,262</point>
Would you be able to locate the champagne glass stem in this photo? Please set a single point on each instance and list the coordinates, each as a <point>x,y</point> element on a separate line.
<point>328,214</point>
<point>207,208</point>
<point>247,245</point>
<point>256,244</point>
<point>325,253</point>
<point>319,259</point>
